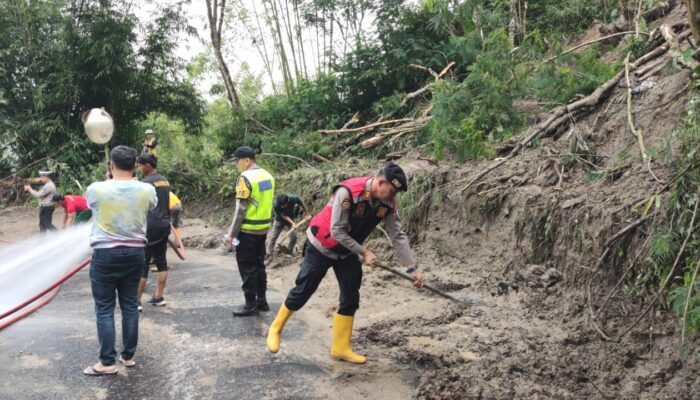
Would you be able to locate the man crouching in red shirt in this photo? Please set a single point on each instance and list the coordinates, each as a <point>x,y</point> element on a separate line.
<point>335,239</point>
<point>75,209</point>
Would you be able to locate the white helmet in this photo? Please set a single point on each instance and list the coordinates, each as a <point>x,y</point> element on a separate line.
<point>149,131</point>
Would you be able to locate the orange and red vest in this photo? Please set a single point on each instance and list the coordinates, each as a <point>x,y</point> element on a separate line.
<point>362,220</point>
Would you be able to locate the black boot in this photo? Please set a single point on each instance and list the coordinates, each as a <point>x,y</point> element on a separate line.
<point>262,305</point>
<point>245,311</point>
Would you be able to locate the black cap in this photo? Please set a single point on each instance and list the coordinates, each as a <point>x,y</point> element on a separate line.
<point>395,175</point>
<point>243,152</point>
<point>149,159</point>
<point>58,197</point>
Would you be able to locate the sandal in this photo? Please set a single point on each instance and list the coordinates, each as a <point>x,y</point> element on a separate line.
<point>127,363</point>
<point>93,372</point>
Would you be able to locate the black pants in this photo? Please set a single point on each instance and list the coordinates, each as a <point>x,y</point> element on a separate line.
<point>45,218</point>
<point>156,249</point>
<point>250,256</point>
<point>348,271</point>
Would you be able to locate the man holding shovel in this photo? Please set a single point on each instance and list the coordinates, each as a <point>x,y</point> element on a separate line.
<point>286,207</point>
<point>335,239</point>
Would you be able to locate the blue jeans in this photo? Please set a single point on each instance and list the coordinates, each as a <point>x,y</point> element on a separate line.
<point>116,272</point>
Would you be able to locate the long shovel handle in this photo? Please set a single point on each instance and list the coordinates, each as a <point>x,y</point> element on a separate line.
<point>425,285</point>
<point>284,236</point>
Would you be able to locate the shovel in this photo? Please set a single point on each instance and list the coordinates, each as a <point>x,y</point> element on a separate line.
<point>283,238</point>
<point>464,302</point>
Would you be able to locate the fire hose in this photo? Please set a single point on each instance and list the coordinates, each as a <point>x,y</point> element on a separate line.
<point>56,285</point>
<point>176,244</point>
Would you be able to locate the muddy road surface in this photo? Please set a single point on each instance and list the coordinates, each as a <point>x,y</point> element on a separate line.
<point>190,349</point>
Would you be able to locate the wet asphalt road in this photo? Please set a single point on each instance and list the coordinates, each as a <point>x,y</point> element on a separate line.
<point>190,349</point>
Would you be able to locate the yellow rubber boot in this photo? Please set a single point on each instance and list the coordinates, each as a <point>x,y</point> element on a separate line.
<point>273,335</point>
<point>342,332</point>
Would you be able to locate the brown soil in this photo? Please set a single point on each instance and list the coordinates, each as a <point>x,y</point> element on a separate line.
<point>525,240</point>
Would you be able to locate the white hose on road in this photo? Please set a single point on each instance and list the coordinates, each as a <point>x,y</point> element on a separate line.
<point>34,264</point>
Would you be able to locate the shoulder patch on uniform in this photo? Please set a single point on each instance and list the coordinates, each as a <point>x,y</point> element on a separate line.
<point>242,189</point>
<point>347,203</point>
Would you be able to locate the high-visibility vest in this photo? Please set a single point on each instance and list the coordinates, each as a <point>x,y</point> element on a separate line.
<point>258,214</point>
<point>153,151</point>
<point>174,200</point>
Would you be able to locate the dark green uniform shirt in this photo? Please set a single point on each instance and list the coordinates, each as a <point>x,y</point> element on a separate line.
<point>293,208</point>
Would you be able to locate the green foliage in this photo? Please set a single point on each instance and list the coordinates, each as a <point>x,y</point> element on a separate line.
<point>679,210</point>
<point>678,297</point>
<point>191,163</point>
<point>62,58</point>
<point>469,115</point>
<point>566,17</point>
<point>473,107</point>
<point>574,74</point>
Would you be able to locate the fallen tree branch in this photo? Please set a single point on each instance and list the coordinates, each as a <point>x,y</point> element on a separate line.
<point>426,69</point>
<point>652,65</point>
<point>412,126</point>
<point>366,127</point>
<point>320,158</point>
<point>630,121</point>
<point>558,116</point>
<point>288,156</point>
<point>590,42</point>
<point>417,93</point>
<point>429,86</point>
<point>670,37</point>
<point>355,119</point>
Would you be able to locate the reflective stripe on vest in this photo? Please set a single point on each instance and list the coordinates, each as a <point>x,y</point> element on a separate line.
<point>258,214</point>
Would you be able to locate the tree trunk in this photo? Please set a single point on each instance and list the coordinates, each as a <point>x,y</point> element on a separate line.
<point>216,22</point>
<point>300,41</point>
<point>512,24</point>
<point>263,49</point>
<point>287,22</point>
<point>693,7</point>
<point>277,34</point>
